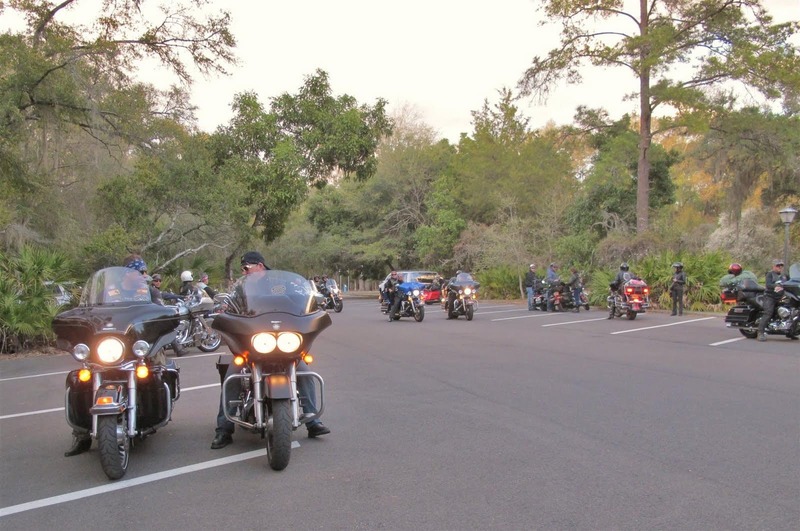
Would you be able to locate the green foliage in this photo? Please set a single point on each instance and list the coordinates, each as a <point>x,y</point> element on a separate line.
<point>26,304</point>
<point>498,283</point>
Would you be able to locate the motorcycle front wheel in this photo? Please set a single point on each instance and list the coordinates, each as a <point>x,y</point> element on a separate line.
<point>338,306</point>
<point>279,435</point>
<point>470,313</point>
<point>113,444</point>
<point>210,342</point>
<point>419,315</point>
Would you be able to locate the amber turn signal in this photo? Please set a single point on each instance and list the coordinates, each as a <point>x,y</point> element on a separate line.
<point>308,358</point>
<point>238,360</point>
<point>84,375</point>
<point>142,371</point>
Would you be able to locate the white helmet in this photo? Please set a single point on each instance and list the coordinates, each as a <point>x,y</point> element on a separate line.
<point>186,276</point>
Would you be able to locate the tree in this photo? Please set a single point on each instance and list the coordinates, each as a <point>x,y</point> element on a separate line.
<point>677,50</point>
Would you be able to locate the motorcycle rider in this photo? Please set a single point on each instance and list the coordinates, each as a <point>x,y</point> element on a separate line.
<point>576,287</point>
<point>530,285</point>
<point>773,292</point>
<point>203,284</point>
<point>623,275</point>
<point>735,275</point>
<point>552,278</point>
<point>390,289</point>
<point>253,264</point>
<point>676,288</point>
<point>187,284</point>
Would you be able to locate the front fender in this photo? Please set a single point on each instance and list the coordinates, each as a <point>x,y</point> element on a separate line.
<point>110,399</point>
<point>278,386</point>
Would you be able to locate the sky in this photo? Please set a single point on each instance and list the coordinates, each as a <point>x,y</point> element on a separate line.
<point>440,58</point>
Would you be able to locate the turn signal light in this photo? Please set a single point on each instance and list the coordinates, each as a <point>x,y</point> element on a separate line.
<point>142,371</point>
<point>238,360</point>
<point>308,358</point>
<point>84,375</point>
<point>103,400</point>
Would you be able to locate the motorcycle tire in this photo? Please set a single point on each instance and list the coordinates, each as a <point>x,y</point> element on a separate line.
<point>419,315</point>
<point>749,334</point>
<point>558,308</point>
<point>586,306</point>
<point>114,456</point>
<point>338,306</point>
<point>631,315</point>
<point>279,435</point>
<point>210,342</point>
<point>470,313</point>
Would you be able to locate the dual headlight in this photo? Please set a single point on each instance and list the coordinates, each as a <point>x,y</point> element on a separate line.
<point>286,342</point>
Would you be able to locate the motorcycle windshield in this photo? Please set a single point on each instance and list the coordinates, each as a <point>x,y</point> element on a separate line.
<point>116,285</point>
<point>794,271</point>
<point>273,291</point>
<point>331,285</point>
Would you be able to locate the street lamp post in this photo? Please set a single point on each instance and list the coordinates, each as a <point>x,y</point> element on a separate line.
<point>787,216</point>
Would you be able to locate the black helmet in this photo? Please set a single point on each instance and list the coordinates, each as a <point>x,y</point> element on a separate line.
<point>677,265</point>
<point>623,266</point>
<point>735,269</point>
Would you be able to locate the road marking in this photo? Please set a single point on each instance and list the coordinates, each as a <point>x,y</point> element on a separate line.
<point>544,314</point>
<point>572,322</point>
<point>43,411</point>
<point>662,326</point>
<point>718,343</point>
<point>124,484</point>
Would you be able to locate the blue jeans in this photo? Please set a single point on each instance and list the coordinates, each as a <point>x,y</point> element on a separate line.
<point>576,296</point>
<point>305,389</point>
<point>529,290</point>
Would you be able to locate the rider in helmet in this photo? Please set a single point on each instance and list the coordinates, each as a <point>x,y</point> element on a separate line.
<point>676,288</point>
<point>736,274</point>
<point>187,283</point>
<point>623,275</point>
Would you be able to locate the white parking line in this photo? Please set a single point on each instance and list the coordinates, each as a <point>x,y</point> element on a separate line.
<point>42,411</point>
<point>544,314</point>
<point>661,326</point>
<point>718,343</point>
<point>572,322</point>
<point>119,485</point>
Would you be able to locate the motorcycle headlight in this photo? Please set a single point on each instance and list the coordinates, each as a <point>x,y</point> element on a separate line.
<point>80,352</point>
<point>467,291</point>
<point>416,293</point>
<point>140,348</point>
<point>289,341</point>
<point>110,350</point>
<point>264,343</point>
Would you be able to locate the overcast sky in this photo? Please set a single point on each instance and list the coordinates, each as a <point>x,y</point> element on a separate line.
<point>442,57</point>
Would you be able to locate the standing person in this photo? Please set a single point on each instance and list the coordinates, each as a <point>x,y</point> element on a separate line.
<point>773,292</point>
<point>253,264</point>
<point>551,277</point>
<point>576,286</point>
<point>530,285</point>
<point>676,288</point>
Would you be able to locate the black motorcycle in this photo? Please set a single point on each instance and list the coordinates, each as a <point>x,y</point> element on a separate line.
<point>125,390</point>
<point>746,314</point>
<point>271,320</point>
<point>462,297</point>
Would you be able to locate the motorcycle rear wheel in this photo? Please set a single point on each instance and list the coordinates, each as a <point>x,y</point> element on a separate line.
<point>114,456</point>
<point>279,435</point>
<point>470,313</point>
<point>749,334</point>
<point>210,342</point>
<point>419,315</point>
<point>631,315</point>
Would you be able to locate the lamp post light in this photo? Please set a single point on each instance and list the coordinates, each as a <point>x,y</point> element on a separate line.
<point>787,216</point>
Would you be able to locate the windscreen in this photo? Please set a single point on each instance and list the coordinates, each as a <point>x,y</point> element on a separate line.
<point>272,291</point>
<point>794,271</point>
<point>115,285</point>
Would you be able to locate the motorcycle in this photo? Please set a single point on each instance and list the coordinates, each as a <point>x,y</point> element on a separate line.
<point>269,326</point>
<point>125,389</point>
<point>410,303</point>
<point>746,314</point>
<point>562,298</point>
<point>462,297</point>
<point>630,299</point>
<point>195,330</point>
<point>333,297</point>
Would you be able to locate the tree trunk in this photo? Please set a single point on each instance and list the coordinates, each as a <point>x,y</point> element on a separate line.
<point>645,126</point>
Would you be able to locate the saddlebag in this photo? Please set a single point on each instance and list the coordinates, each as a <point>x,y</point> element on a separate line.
<point>741,316</point>
<point>79,401</point>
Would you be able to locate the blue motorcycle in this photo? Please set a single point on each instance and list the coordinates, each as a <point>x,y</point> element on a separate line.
<point>407,302</point>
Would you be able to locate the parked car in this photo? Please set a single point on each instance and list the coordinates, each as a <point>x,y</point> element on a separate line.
<point>61,292</point>
<point>428,296</point>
